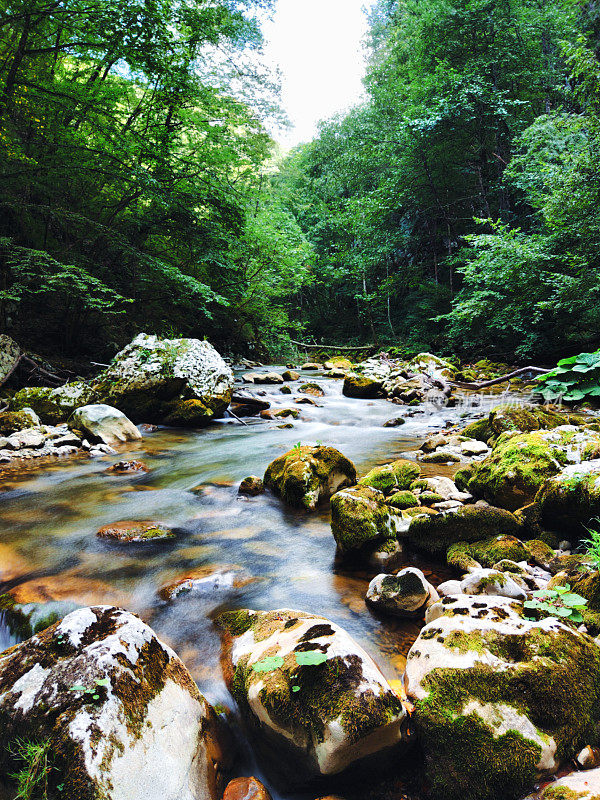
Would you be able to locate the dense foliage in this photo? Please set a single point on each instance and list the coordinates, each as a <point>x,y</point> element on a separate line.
<point>133,175</point>
<point>458,206</point>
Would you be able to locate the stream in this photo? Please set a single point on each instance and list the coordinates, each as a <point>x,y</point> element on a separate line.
<point>269,556</point>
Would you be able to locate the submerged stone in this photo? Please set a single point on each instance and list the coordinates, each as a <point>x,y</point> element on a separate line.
<point>132,531</point>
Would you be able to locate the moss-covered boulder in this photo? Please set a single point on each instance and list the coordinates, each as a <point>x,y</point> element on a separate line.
<point>182,382</point>
<point>12,421</point>
<point>479,429</point>
<point>497,548</point>
<point>570,501</point>
<point>53,405</point>
<point>435,534</point>
<point>25,619</point>
<point>392,478</point>
<point>113,710</point>
<point>519,465</point>
<point>404,499</point>
<point>308,693</point>
<point>361,386</point>
<point>500,700</point>
<point>360,516</point>
<point>306,475</point>
<point>524,418</point>
<point>540,552</point>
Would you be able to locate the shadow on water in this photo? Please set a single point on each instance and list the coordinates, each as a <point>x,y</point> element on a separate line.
<point>280,557</point>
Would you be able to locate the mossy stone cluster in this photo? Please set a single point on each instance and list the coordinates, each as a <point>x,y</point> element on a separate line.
<point>496,548</point>
<point>394,477</point>
<point>570,501</point>
<point>512,418</point>
<point>500,699</point>
<point>361,386</point>
<point>360,516</point>
<point>306,475</point>
<point>434,534</point>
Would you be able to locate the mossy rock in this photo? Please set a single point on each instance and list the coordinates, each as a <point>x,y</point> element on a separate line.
<point>500,700</point>
<point>306,475</point>
<point>480,430</point>
<point>360,516</point>
<point>440,457</point>
<point>497,548</point>
<point>317,718</point>
<point>519,465</point>
<point>394,477</point>
<point>540,552</point>
<point>12,421</point>
<point>524,418</point>
<point>459,557</point>
<point>569,502</point>
<point>462,477</point>
<point>361,386</point>
<point>583,579</point>
<point>403,499</point>
<point>25,619</point>
<point>435,534</point>
<point>429,498</point>
<point>53,406</point>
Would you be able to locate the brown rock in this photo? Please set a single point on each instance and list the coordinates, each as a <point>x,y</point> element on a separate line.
<point>135,531</point>
<point>290,375</point>
<point>251,486</point>
<point>246,789</point>
<point>311,388</point>
<point>311,365</point>
<point>125,467</point>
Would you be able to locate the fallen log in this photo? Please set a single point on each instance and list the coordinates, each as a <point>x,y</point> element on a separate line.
<point>501,379</point>
<point>331,347</point>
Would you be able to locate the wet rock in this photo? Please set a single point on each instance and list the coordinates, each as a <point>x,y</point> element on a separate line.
<point>360,516</point>
<point>407,594</point>
<point>312,389</point>
<point>445,487</point>
<point>66,439</point>
<point>338,363</point>
<point>135,531</point>
<point>264,377</point>
<point>308,692</point>
<point>403,500</point>
<point>361,386</point>
<point>490,581</point>
<point>432,366</point>
<point>576,786</point>
<point>285,390</point>
<point>395,422</point>
<point>120,713</point>
<point>286,426</point>
<point>127,467</point>
<point>245,404</point>
<point>449,588</point>
<point>524,418</point>
<point>29,438</point>
<point>53,405</point>
<point>306,475</point>
<point>306,401</point>
<point>290,375</point>
<point>540,553</point>
<point>434,534</point>
<point>181,382</point>
<point>567,502</point>
<point>500,700</point>
<point>432,444</point>
<point>311,365</point>
<point>10,352</point>
<point>104,424</point>
<point>391,478</point>
<point>252,486</point>
<point>441,456</point>
<point>520,464</point>
<point>473,447</point>
<point>282,413</point>
<point>204,581</point>
<point>246,789</point>
<point>589,757</point>
<point>13,421</point>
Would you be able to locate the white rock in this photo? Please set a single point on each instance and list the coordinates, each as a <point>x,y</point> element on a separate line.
<point>448,588</point>
<point>104,424</point>
<point>490,581</point>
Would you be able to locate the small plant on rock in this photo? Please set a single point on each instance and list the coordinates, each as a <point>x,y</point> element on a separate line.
<point>592,545</point>
<point>558,602</point>
<point>33,777</point>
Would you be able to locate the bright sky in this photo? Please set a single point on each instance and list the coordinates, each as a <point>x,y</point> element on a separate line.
<point>317,44</point>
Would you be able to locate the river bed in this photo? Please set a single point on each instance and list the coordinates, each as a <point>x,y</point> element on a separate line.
<point>278,557</point>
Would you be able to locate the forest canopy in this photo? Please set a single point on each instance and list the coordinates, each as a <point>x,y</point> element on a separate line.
<point>455,209</point>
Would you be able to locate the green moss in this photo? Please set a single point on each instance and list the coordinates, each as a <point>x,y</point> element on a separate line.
<point>360,516</point>
<point>361,387</point>
<point>185,413</point>
<point>440,457</point>
<point>490,551</point>
<point>429,498</point>
<point>399,475</point>
<point>404,499</point>
<point>459,557</point>
<point>480,430</point>
<point>435,534</point>
<point>563,793</point>
<point>462,477</point>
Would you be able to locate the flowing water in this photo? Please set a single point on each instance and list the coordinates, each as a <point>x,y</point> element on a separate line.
<point>277,556</point>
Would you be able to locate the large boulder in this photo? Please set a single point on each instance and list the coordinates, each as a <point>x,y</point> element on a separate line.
<point>500,700</point>
<point>570,500</point>
<point>178,382</point>
<point>13,421</point>
<point>434,534</point>
<point>309,694</point>
<point>306,475</point>
<point>105,424</point>
<point>520,464</point>
<point>10,353</point>
<point>360,516</point>
<point>53,405</point>
<point>117,711</point>
<point>512,418</point>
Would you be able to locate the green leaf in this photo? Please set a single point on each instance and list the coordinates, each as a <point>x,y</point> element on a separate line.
<point>562,612</point>
<point>311,658</point>
<point>295,688</point>
<point>268,664</point>
<point>103,682</point>
<point>78,689</point>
